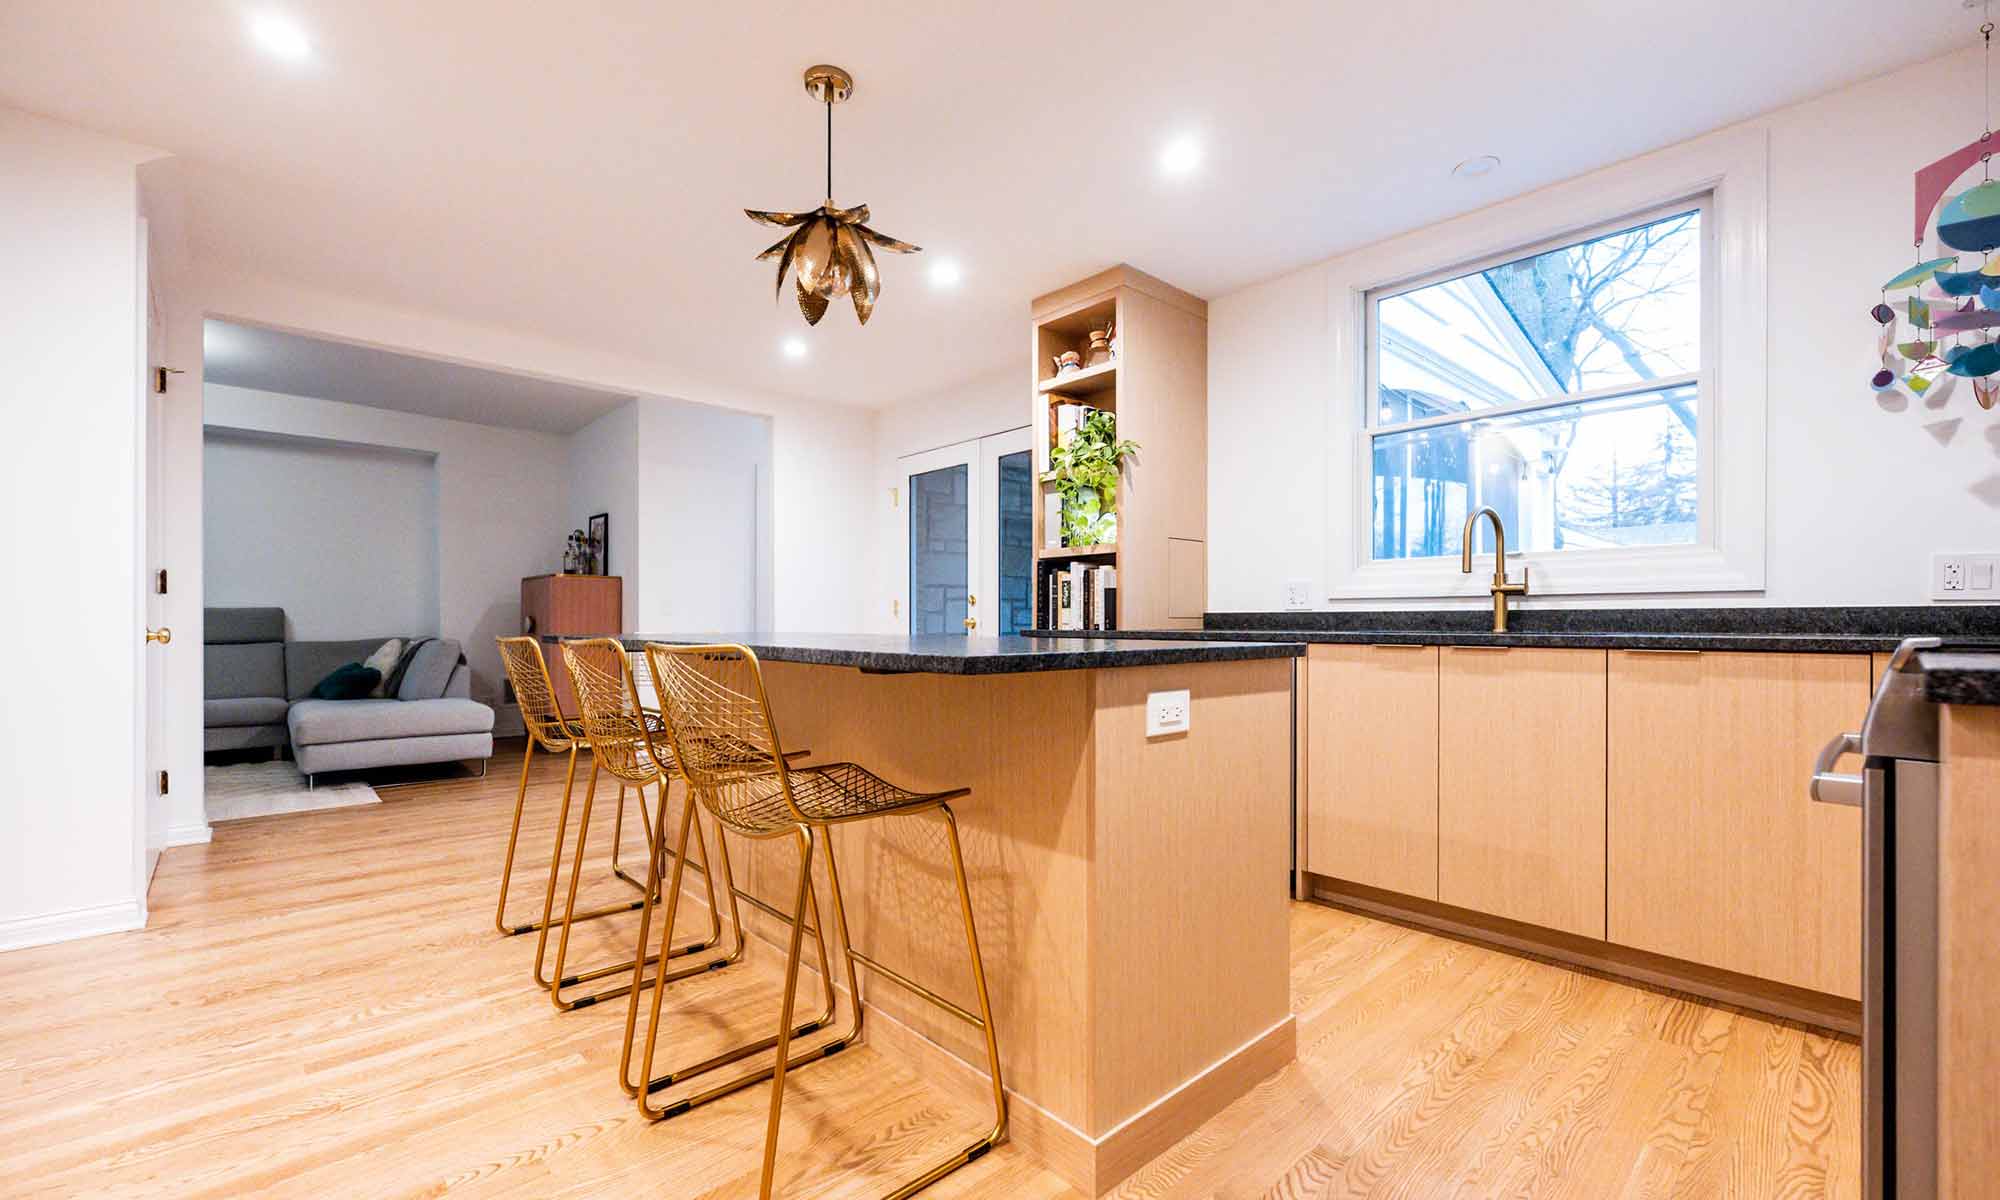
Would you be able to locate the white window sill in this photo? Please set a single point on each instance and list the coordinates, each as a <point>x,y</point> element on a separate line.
<point>1578,573</point>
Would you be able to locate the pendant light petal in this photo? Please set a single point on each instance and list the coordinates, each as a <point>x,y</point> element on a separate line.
<point>858,215</point>
<point>887,243</point>
<point>812,304</point>
<point>866,283</point>
<point>780,219</point>
<point>778,247</point>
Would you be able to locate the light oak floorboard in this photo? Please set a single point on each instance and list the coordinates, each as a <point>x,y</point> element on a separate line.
<point>320,1007</point>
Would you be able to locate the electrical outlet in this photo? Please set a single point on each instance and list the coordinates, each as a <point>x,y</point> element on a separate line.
<point>1298,594</point>
<point>1167,713</point>
<point>1965,577</point>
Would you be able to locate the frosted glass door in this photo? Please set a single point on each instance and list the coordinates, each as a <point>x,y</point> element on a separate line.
<point>940,549</point>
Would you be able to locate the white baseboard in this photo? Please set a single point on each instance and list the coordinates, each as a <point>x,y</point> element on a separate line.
<point>22,932</point>
<point>187,835</point>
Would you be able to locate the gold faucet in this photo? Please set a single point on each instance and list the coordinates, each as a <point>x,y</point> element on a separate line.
<point>1501,589</point>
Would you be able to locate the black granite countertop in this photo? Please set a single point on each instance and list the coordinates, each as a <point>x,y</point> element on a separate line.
<point>945,654</point>
<point>1961,675</point>
<point>1819,630</point>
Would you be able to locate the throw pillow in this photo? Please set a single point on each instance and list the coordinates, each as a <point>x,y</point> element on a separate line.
<point>393,685</point>
<point>429,672</point>
<point>350,681</point>
<point>384,661</point>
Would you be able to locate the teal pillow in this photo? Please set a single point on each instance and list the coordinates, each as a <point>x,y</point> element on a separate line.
<point>351,681</point>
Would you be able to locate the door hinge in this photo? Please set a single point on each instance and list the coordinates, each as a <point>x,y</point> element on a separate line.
<point>160,582</point>
<point>160,378</point>
<point>163,783</point>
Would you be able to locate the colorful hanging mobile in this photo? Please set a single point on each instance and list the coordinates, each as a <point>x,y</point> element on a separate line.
<point>1950,313</point>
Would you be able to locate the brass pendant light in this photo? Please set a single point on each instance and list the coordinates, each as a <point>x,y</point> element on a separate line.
<point>829,246</point>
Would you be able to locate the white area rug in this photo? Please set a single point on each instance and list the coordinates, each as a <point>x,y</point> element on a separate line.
<point>244,790</point>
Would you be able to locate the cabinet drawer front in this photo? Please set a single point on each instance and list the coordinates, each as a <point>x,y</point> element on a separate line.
<point>1372,745</point>
<point>1716,855</point>
<point>1521,785</point>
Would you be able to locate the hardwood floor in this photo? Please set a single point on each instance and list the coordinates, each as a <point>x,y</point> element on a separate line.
<point>320,1008</point>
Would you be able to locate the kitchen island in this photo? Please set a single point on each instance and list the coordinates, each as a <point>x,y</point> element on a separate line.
<point>1130,890</point>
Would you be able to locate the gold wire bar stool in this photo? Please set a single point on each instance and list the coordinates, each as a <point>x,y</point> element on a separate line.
<point>714,703</point>
<point>548,728</point>
<point>752,759</point>
<point>616,729</point>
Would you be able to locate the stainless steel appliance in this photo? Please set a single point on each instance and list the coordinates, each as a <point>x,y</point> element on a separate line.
<point>1897,792</point>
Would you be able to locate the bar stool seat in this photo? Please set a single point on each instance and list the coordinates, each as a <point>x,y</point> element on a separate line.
<point>824,795</point>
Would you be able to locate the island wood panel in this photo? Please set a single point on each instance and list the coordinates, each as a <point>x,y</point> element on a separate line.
<point>1968,952</point>
<point>1372,736</point>
<point>1022,743</point>
<point>1192,866</point>
<point>1521,785</point>
<point>1717,856</point>
<point>1113,999</point>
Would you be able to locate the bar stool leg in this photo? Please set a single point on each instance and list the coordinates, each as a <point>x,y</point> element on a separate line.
<point>805,836</point>
<point>562,980</point>
<point>657,1083</point>
<point>500,921</point>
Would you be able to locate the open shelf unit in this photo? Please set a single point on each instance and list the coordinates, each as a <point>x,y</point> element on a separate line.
<point>1158,388</point>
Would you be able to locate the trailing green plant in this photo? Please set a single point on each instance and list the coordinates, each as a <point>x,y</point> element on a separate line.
<point>1086,472</point>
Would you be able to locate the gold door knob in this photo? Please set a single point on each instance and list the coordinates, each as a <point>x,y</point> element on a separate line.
<point>971,601</point>
<point>162,635</point>
<point>971,623</point>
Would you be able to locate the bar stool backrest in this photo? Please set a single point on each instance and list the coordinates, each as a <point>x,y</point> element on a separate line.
<point>528,671</point>
<point>713,700</point>
<point>613,720</point>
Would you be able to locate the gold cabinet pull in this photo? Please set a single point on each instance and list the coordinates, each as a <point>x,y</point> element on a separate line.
<point>162,635</point>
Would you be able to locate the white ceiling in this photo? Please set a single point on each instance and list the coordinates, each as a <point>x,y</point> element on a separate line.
<point>578,171</point>
<point>272,360</point>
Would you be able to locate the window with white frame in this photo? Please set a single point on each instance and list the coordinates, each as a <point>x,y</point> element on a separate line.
<point>1563,384</point>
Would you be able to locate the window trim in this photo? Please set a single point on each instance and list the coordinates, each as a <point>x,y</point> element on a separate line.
<point>1728,172</point>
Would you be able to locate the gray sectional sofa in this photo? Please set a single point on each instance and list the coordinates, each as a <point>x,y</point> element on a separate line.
<point>258,688</point>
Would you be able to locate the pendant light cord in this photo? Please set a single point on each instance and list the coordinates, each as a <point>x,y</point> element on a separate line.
<point>829,150</point>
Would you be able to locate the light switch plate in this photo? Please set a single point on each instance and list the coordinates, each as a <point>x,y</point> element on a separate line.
<point>1965,577</point>
<point>1298,594</point>
<point>1167,713</point>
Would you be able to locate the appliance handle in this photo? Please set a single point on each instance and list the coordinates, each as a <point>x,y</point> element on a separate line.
<point>1830,787</point>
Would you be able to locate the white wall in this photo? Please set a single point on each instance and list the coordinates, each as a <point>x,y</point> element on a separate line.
<point>1857,498</point>
<point>501,500</point>
<point>604,478</point>
<point>705,539</point>
<point>344,538</point>
<point>822,455</point>
<point>72,811</point>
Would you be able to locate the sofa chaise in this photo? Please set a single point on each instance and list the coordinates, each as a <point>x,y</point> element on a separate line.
<point>258,691</point>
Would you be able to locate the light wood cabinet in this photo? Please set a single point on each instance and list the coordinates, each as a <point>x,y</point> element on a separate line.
<point>1521,785</point>
<point>1372,750</point>
<point>1716,854</point>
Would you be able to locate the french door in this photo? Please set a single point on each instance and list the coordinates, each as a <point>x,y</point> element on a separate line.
<point>970,551</point>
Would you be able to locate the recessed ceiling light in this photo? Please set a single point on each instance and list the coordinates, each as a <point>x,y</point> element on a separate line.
<point>1473,168</point>
<point>280,36</point>
<point>1180,156</point>
<point>795,348</point>
<point>945,273</point>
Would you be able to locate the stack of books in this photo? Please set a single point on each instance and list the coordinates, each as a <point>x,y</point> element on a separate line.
<point>1082,596</point>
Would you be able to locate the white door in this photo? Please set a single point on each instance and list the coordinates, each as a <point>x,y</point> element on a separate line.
<point>969,566</point>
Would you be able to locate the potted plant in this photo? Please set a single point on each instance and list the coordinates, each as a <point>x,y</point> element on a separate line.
<point>1085,471</point>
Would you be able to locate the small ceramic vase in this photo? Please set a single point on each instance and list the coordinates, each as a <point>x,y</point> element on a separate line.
<point>1067,361</point>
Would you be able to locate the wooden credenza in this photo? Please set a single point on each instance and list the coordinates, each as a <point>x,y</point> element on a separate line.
<point>555,607</point>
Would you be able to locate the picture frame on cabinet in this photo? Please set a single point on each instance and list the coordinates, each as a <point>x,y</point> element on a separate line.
<point>600,544</point>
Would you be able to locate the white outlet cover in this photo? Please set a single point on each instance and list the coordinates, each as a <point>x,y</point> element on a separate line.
<point>1965,577</point>
<point>1167,713</point>
<point>1298,594</point>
